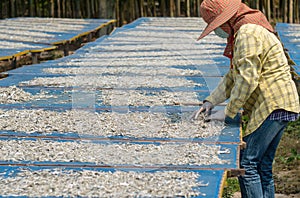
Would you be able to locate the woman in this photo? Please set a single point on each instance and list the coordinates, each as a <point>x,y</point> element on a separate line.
<point>259,82</point>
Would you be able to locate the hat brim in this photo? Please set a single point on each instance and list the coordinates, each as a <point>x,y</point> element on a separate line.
<point>222,18</point>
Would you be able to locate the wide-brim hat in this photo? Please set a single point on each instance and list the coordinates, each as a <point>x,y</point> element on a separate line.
<point>217,12</point>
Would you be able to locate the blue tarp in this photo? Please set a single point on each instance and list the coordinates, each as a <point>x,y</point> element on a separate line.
<point>212,178</point>
<point>26,34</point>
<point>290,36</point>
<point>206,57</point>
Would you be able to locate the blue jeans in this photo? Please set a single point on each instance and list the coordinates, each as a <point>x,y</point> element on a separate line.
<point>257,160</point>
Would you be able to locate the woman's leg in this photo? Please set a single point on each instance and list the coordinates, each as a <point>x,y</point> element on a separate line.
<point>257,144</point>
<point>265,167</point>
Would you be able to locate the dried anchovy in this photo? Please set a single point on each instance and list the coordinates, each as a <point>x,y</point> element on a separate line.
<point>147,98</point>
<point>110,153</point>
<point>125,70</point>
<point>95,61</point>
<point>22,38</point>
<point>137,124</point>
<point>8,33</point>
<point>87,183</point>
<point>13,45</point>
<point>14,94</point>
<point>110,81</point>
<point>43,24</point>
<point>151,53</point>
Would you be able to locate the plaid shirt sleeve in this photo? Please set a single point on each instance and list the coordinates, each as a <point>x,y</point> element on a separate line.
<point>222,92</point>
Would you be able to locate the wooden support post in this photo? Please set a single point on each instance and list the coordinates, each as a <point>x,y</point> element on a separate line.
<point>243,145</point>
<point>3,75</point>
<point>13,63</point>
<point>89,37</point>
<point>35,57</point>
<point>235,172</point>
<point>66,48</point>
<point>102,31</point>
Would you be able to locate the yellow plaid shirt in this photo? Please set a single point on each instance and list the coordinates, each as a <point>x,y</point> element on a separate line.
<point>260,80</point>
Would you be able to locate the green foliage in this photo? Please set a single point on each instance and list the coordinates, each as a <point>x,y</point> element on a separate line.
<point>293,129</point>
<point>231,187</point>
<point>245,120</point>
<point>289,150</point>
<point>290,158</point>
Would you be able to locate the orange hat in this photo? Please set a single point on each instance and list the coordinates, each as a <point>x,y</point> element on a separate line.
<point>217,12</point>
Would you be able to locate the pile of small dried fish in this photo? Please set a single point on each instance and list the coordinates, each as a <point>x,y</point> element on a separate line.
<point>137,124</point>
<point>151,71</point>
<point>110,153</point>
<point>14,94</point>
<point>123,61</point>
<point>88,183</point>
<point>110,81</point>
<point>147,98</point>
<point>12,45</point>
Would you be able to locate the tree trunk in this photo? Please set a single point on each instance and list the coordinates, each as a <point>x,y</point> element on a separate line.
<point>163,8</point>
<point>296,11</point>
<point>77,9</point>
<point>198,8</point>
<point>111,6</point>
<point>63,8</point>
<point>92,7</point>
<point>102,9</point>
<point>12,8</point>
<point>88,9</point>
<point>178,12</point>
<point>31,8</point>
<point>1,8</point>
<point>118,12</point>
<point>58,9</point>
<point>132,10</point>
<point>285,10</point>
<point>291,11</point>
<point>141,5</point>
<point>69,9</point>
<point>188,8</point>
<point>52,8</point>
<point>268,9</point>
